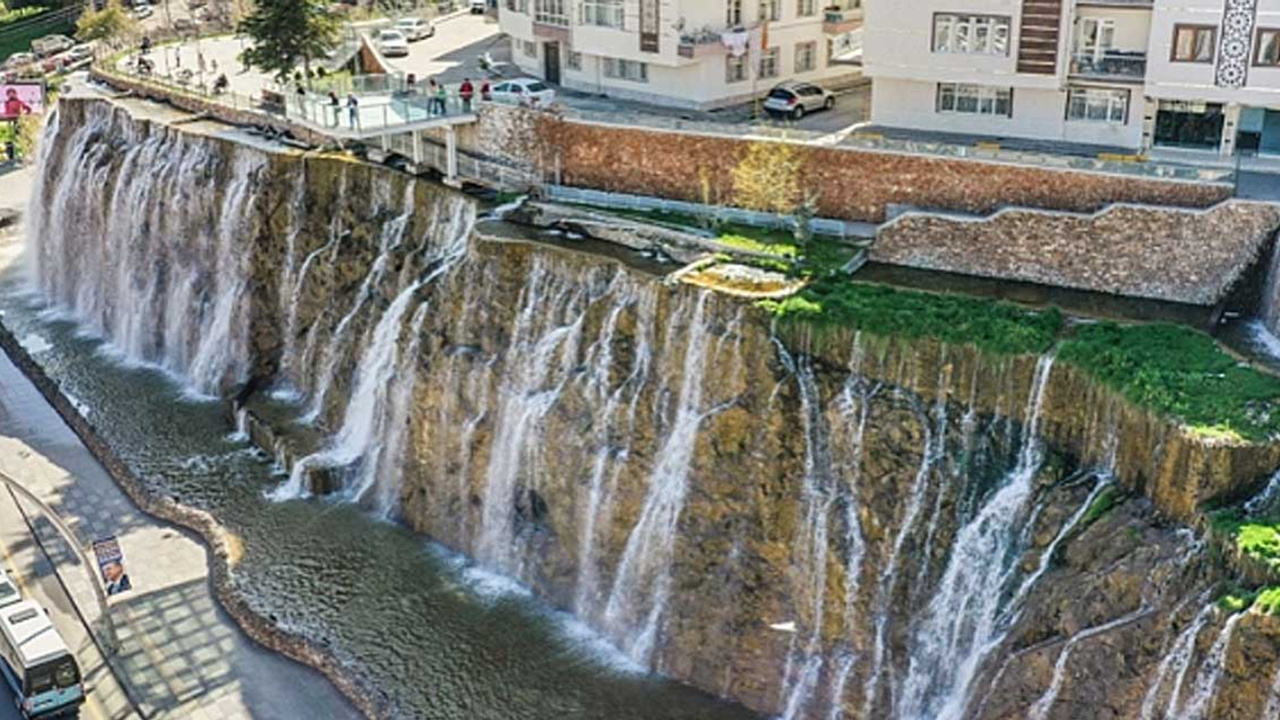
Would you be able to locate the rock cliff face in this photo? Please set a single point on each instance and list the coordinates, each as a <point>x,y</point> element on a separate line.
<point>819,526</point>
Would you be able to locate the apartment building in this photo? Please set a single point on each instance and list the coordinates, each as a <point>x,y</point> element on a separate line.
<point>697,54</point>
<point>1201,75</point>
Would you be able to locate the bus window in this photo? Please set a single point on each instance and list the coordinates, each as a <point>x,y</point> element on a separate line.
<point>58,674</point>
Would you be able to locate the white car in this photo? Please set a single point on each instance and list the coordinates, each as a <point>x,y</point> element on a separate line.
<point>524,91</point>
<point>479,7</point>
<point>393,43</point>
<point>143,10</point>
<point>415,29</point>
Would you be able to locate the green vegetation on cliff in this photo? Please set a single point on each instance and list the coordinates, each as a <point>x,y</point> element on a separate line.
<point>1181,373</point>
<point>1269,601</point>
<point>995,327</point>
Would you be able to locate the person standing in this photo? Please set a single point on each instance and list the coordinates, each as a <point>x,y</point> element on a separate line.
<point>466,91</point>
<point>485,93</point>
<point>442,96</point>
<point>353,109</point>
<point>337,107</point>
<point>432,86</point>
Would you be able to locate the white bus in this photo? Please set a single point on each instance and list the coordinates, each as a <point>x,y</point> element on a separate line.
<point>36,663</point>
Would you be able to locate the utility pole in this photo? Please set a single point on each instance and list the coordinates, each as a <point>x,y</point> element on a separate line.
<point>112,641</point>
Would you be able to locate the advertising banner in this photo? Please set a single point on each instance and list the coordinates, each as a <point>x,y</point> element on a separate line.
<point>111,565</point>
<point>21,98</point>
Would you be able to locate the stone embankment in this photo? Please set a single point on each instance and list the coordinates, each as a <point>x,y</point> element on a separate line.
<point>1168,254</point>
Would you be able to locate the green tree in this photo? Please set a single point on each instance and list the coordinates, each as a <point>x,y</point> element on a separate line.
<point>288,33</point>
<point>109,23</point>
<point>768,178</point>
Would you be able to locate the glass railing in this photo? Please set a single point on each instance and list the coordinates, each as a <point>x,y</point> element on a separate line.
<point>1114,64</point>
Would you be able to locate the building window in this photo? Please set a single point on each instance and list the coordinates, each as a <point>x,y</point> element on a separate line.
<point>769,63</point>
<point>733,13</point>
<point>1194,43</point>
<point>806,56</point>
<point>530,48</point>
<point>520,6</point>
<point>736,69</point>
<point>1267,51</point>
<point>625,69</point>
<point>574,60</point>
<point>1098,105</point>
<point>975,100</point>
<point>603,13</point>
<point>770,10</point>
<point>806,8</point>
<point>550,12</point>
<point>971,34</point>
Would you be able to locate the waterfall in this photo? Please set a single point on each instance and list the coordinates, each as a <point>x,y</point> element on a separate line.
<point>1206,685</point>
<point>642,585</point>
<point>966,617</point>
<point>820,494</point>
<point>391,237</point>
<point>165,280</point>
<point>1040,710</point>
<point>376,410</point>
<point>540,360</point>
<point>933,447</point>
<point>1264,501</point>
<point>1177,661</point>
<point>609,457</point>
<point>1269,310</point>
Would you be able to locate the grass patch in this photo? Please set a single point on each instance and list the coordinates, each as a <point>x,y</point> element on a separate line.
<point>1109,498</point>
<point>996,327</point>
<point>1181,373</point>
<point>1237,601</point>
<point>1268,601</point>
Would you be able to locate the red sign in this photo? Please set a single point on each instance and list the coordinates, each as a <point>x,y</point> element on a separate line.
<point>21,98</point>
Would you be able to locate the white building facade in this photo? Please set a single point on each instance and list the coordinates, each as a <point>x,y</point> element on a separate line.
<point>1201,75</point>
<point>698,54</point>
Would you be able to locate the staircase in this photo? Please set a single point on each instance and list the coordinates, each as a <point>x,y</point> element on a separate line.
<point>1038,43</point>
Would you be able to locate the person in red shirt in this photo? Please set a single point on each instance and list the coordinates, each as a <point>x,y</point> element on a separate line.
<point>466,91</point>
<point>484,92</point>
<point>13,105</point>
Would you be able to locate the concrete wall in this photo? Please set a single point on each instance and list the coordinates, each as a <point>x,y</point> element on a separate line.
<point>1201,253</point>
<point>1037,114</point>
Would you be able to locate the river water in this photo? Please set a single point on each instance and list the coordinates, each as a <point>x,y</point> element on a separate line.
<point>438,637</point>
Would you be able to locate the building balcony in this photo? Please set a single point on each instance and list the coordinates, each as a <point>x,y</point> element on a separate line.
<point>837,21</point>
<point>1114,66</point>
<point>700,44</point>
<point>551,27</point>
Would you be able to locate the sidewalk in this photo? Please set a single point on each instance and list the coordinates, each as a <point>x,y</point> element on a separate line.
<point>181,656</point>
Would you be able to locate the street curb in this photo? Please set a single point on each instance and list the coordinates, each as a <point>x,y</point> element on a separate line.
<point>367,699</point>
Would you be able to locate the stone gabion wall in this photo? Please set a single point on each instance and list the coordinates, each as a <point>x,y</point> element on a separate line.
<point>1181,256</point>
<point>848,183</point>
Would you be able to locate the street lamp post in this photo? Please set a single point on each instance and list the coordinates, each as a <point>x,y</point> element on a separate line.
<point>112,642</point>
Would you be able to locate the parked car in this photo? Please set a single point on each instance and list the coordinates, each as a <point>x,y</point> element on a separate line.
<point>51,45</point>
<point>18,60</point>
<point>479,7</point>
<point>415,29</point>
<point>143,10</point>
<point>393,43</point>
<point>185,26</point>
<point>524,91</point>
<point>796,99</point>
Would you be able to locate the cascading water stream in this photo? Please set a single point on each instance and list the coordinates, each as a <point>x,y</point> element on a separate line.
<point>610,458</point>
<point>392,236</point>
<point>1040,710</point>
<point>1205,689</point>
<point>157,292</point>
<point>966,616</point>
<point>384,382</point>
<point>642,584</point>
<point>1177,661</point>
